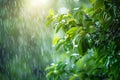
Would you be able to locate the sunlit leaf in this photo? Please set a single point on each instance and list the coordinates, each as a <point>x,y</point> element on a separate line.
<point>50,73</point>
<point>74,77</point>
<point>55,40</point>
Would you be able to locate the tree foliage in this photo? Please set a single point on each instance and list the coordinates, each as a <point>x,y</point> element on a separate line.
<point>90,41</point>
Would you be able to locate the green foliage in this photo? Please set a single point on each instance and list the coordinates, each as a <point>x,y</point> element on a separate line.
<point>91,41</point>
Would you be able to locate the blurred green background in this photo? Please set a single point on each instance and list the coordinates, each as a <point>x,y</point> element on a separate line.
<point>25,41</point>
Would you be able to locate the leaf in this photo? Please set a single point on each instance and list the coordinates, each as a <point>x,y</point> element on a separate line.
<point>92,1</point>
<point>85,45</point>
<point>58,45</point>
<point>80,48</point>
<point>71,20</point>
<point>61,66</point>
<point>50,67</point>
<point>74,77</point>
<point>51,12</point>
<point>72,31</point>
<point>58,26</point>
<point>49,22</point>
<point>55,40</point>
<point>98,4</point>
<point>86,3</point>
<point>91,29</point>
<point>82,33</point>
<point>48,74</point>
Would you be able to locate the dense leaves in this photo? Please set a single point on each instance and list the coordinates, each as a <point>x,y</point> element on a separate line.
<point>90,41</point>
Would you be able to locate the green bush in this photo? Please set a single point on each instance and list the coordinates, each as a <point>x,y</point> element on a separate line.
<point>90,40</point>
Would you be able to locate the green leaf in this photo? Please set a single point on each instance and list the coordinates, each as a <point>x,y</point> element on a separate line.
<point>98,4</point>
<point>58,26</point>
<point>51,12</point>
<point>73,77</point>
<point>80,48</point>
<point>55,40</point>
<point>50,73</point>
<point>72,31</point>
<point>59,44</point>
<point>49,22</point>
<point>50,67</point>
<point>91,29</point>
<point>86,3</point>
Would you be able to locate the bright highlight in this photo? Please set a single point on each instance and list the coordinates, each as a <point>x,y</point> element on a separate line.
<point>39,3</point>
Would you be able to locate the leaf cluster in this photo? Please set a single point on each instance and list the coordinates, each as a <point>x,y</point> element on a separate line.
<point>91,40</point>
